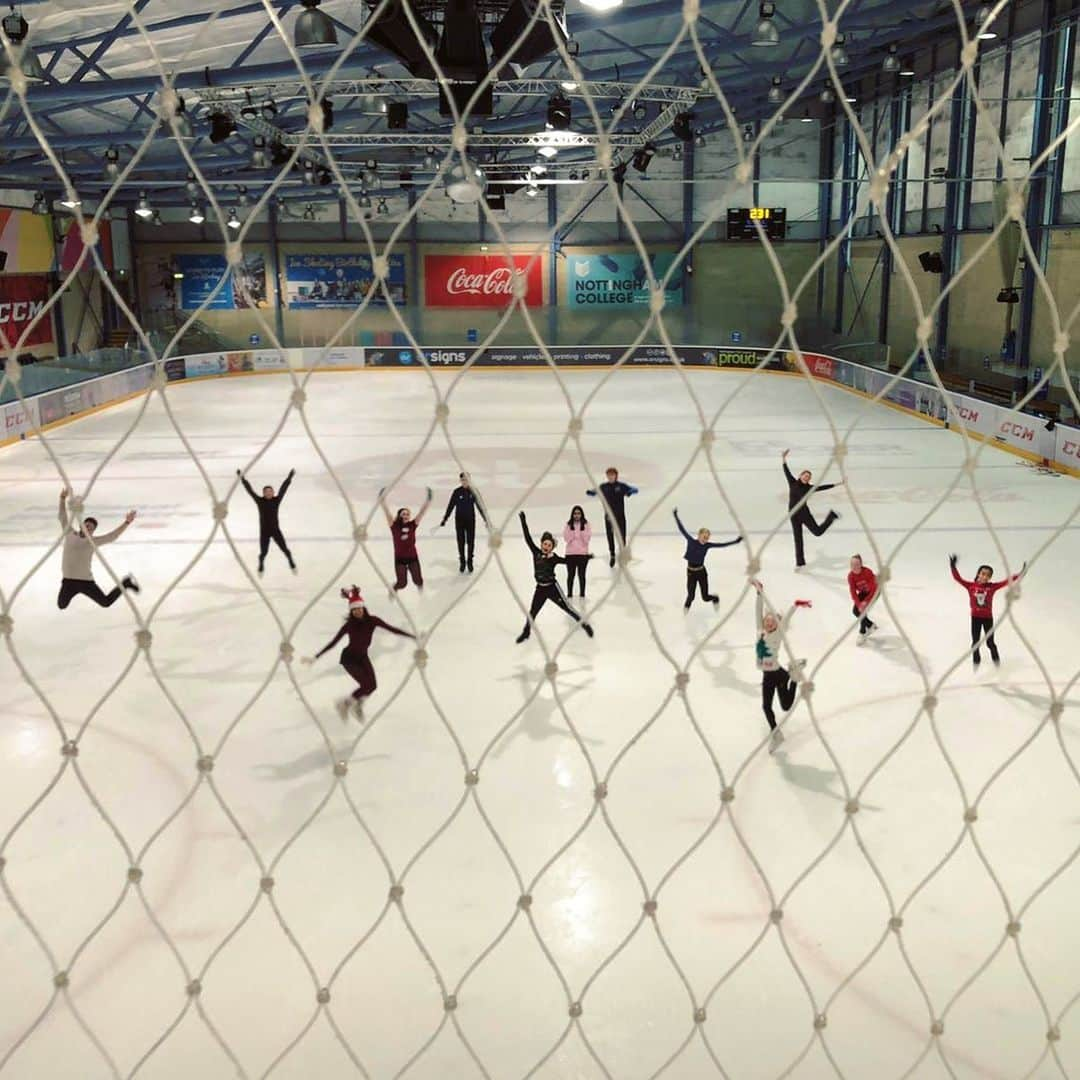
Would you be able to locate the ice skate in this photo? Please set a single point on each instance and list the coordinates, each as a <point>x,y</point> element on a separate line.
<point>129,582</point>
<point>775,739</point>
<point>342,706</point>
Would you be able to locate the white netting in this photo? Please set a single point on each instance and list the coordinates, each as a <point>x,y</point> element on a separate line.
<point>682,1019</point>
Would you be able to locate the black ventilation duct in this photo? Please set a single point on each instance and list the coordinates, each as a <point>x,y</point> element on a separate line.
<point>462,59</point>
<point>391,31</point>
<point>540,39</point>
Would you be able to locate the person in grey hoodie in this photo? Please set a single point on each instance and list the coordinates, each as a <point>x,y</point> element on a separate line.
<point>775,678</point>
<point>78,553</point>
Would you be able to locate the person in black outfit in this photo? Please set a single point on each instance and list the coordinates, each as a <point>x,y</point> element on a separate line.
<point>464,503</point>
<point>798,491</point>
<point>614,493</point>
<point>697,577</point>
<point>547,588</point>
<point>269,527</point>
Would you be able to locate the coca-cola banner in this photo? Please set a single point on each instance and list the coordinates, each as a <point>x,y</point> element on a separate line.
<point>481,281</point>
<point>22,298</point>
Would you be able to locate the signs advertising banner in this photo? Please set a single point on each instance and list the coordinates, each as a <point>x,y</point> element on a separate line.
<point>244,288</point>
<point>339,280</point>
<point>18,419</point>
<point>63,403</point>
<point>175,368</point>
<point>481,281</point>
<point>205,364</point>
<point>530,356</point>
<point>22,299</point>
<point>608,278</point>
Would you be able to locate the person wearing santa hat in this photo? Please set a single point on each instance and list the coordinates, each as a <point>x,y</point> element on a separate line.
<point>360,626</point>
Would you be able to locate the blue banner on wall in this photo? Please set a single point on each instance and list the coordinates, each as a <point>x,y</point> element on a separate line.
<point>244,288</point>
<point>618,279</point>
<point>339,280</point>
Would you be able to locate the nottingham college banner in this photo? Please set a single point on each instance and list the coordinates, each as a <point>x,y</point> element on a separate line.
<point>620,279</point>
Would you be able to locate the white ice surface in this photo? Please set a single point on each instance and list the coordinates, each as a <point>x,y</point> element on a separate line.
<point>464,855</point>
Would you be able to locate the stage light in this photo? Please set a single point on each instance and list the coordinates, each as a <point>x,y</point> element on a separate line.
<point>558,112</point>
<point>222,125</point>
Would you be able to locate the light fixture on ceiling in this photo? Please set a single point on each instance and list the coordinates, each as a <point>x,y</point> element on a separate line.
<point>639,110</point>
<point>382,209</point>
<point>155,219</point>
<point>430,160</point>
<point>701,142</point>
<point>269,109</point>
<point>177,273</point>
<point>548,151</point>
<point>828,95</point>
<point>538,169</point>
<point>112,163</point>
<point>41,207</point>
<point>572,176</point>
<point>907,67</point>
<point>181,126</point>
<point>748,133</point>
<point>465,181</point>
<point>234,221</point>
<point>776,94</point>
<point>196,217</point>
<point>601,5</point>
<point>983,18</point>
<point>806,118</point>
<point>642,157</point>
<point>370,175</point>
<point>569,85</point>
<point>765,33</point>
<point>191,184</point>
<point>891,63</point>
<point>532,191</point>
<point>839,52</point>
<point>676,153</point>
<point>244,200</point>
<point>309,172</point>
<point>143,208</point>
<point>258,152</point>
<point>16,28</point>
<point>558,112</point>
<point>313,27</point>
<point>849,95</point>
<point>309,212</point>
<point>365,201</point>
<point>71,201</point>
<point>222,125</point>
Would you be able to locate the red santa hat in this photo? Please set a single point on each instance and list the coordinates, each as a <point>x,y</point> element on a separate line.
<point>352,595</point>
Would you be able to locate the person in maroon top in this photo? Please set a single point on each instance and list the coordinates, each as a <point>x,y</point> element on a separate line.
<point>360,626</point>
<point>862,584</point>
<point>403,530</point>
<point>981,591</point>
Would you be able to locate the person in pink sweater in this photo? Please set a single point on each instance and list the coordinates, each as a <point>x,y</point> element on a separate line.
<point>577,534</point>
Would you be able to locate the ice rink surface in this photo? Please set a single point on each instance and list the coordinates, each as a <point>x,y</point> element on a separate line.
<point>859,818</point>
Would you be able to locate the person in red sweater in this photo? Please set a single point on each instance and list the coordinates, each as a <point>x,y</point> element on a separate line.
<point>360,626</point>
<point>981,591</point>
<point>862,584</point>
<point>403,530</point>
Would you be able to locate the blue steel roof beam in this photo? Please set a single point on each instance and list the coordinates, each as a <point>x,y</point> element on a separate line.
<point>259,38</point>
<point>103,45</point>
<point>626,47</point>
<point>139,106</point>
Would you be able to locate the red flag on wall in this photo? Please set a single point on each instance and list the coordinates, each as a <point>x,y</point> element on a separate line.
<point>22,299</point>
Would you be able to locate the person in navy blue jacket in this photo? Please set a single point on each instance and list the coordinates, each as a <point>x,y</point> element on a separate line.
<point>697,577</point>
<point>614,493</point>
<point>465,505</point>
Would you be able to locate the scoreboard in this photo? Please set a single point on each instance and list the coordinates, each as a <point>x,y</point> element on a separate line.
<point>740,222</point>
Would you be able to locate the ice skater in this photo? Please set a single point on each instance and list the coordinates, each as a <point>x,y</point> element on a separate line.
<point>464,504</point>
<point>269,525</point>
<point>981,591</point>
<point>862,584</point>
<point>547,588</point>
<point>775,679</point>
<point>697,577</point>
<point>798,491</point>
<point>615,493</point>
<point>576,536</point>
<point>360,626</point>
<point>403,528</point>
<point>78,553</point>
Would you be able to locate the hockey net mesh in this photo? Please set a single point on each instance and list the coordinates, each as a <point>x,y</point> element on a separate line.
<point>703,1046</point>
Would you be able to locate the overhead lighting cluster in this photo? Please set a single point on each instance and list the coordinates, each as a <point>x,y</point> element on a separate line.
<point>16,28</point>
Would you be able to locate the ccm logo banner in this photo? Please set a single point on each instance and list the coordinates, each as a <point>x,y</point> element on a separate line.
<point>23,298</point>
<point>481,281</point>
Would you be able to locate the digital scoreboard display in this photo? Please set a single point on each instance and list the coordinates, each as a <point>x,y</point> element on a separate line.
<point>741,222</point>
